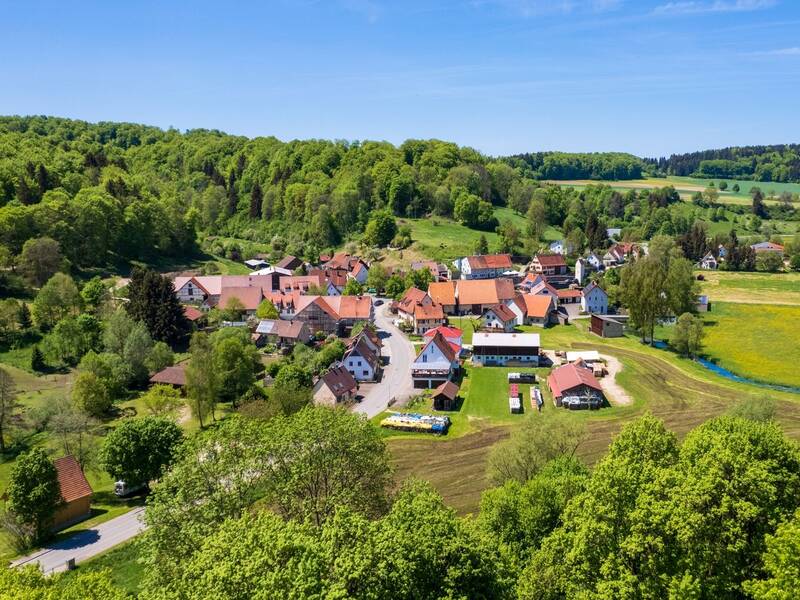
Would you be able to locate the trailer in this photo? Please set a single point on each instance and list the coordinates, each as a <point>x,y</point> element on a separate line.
<point>537,400</point>
<point>522,378</point>
<point>514,401</point>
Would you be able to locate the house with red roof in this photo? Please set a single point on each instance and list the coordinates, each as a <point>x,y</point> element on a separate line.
<point>549,264</point>
<point>485,266</point>
<point>568,296</point>
<point>435,364</point>
<point>575,387</point>
<point>499,317</point>
<point>333,314</point>
<point>76,493</point>
<point>540,309</point>
<point>453,335</point>
<point>419,310</point>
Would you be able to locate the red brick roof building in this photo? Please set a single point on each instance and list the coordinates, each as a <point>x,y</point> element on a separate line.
<point>76,493</point>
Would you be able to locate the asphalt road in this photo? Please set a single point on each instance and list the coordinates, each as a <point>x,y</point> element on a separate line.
<point>86,544</point>
<point>396,381</point>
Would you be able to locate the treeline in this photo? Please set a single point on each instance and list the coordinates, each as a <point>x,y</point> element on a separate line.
<point>604,166</point>
<point>241,515</point>
<point>132,191</point>
<point>759,163</point>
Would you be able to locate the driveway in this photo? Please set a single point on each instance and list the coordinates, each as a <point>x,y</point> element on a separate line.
<point>396,381</point>
<point>86,544</point>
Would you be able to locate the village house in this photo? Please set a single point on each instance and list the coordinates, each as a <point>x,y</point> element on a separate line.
<point>333,314</point>
<point>517,306</point>
<point>445,397</point>
<point>354,266</point>
<point>549,264</point>
<point>500,317</point>
<point>419,311</point>
<point>361,359</point>
<point>271,276</point>
<point>335,279</point>
<point>499,349</point>
<point>562,247</point>
<point>708,262</point>
<point>256,263</point>
<point>302,283</point>
<point>435,364</point>
<point>335,386</point>
<point>485,266</point>
<point>568,296</point>
<point>620,253</point>
<point>574,386</point>
<point>438,271</point>
<point>539,309</point>
<point>471,296</point>
<point>246,299</point>
<point>453,335</point>
<point>445,294</point>
<point>594,299</point>
<point>76,493</point>
<point>543,288</point>
<point>283,334</point>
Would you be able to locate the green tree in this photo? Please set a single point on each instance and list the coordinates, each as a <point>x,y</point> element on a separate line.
<point>202,382</point>
<point>781,563</point>
<point>161,399</point>
<point>538,441</point>
<point>91,394</point>
<point>769,262</point>
<point>110,368</point>
<point>139,450</point>
<point>687,338</point>
<point>37,360</point>
<point>40,259</point>
<point>8,405</point>
<point>352,460</point>
<point>267,310</point>
<point>71,339</point>
<point>33,492</point>
<point>29,583</point>
<point>159,357</point>
<point>395,286</point>
<point>481,245</point>
<point>152,300</point>
<point>352,288</point>
<point>380,229</point>
<point>95,294</point>
<point>537,220</point>
<point>234,359</point>
<point>377,277</point>
<point>58,298</point>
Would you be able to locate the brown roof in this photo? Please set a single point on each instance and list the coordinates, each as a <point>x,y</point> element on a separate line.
<point>410,299</point>
<point>192,313</point>
<point>250,297</point>
<point>289,262</point>
<point>71,480</point>
<point>362,349</point>
<point>339,381</point>
<point>485,291</point>
<point>443,292</point>
<point>171,376</point>
<point>490,261</point>
<point>551,260</point>
<point>563,379</point>
<point>537,305</point>
<point>503,312</point>
<point>568,293</point>
<point>448,389</point>
<point>429,311</point>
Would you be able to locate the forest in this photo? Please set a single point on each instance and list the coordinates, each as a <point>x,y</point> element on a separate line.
<point>759,163</point>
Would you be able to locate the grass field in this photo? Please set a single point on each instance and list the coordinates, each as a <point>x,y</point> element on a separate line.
<point>752,288</point>
<point>126,572</point>
<point>758,341</point>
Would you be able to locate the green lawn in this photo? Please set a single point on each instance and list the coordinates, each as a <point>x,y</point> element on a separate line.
<point>126,572</point>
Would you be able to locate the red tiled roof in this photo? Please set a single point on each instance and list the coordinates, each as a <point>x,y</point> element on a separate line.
<point>71,480</point>
<point>484,291</point>
<point>447,332</point>
<point>538,305</point>
<point>250,297</point>
<point>490,261</point>
<point>443,292</point>
<point>171,376</point>
<point>447,350</point>
<point>551,260</point>
<point>301,282</point>
<point>428,311</point>
<point>563,379</point>
<point>568,293</point>
<point>192,313</point>
<point>410,299</point>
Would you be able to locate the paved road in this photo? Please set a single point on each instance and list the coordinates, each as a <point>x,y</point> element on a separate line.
<point>86,544</point>
<point>396,381</point>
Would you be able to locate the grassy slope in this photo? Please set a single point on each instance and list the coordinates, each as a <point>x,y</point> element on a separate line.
<point>752,288</point>
<point>126,572</point>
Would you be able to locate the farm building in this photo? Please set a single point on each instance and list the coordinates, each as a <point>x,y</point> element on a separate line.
<point>768,247</point>
<point>505,348</point>
<point>335,386</point>
<point>549,264</point>
<point>284,334</point>
<point>174,376</point>
<point>485,266</point>
<point>574,386</point>
<point>76,493</point>
<point>608,326</point>
<point>445,397</point>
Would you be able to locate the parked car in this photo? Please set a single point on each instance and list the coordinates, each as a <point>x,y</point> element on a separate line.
<point>378,302</point>
<point>122,489</point>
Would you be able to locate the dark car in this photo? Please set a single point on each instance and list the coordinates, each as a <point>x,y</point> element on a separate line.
<point>378,302</point>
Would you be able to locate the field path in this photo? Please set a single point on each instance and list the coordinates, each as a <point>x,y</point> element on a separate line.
<point>614,391</point>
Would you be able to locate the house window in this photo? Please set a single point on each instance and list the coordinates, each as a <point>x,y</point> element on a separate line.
<point>365,373</point>
<point>424,358</point>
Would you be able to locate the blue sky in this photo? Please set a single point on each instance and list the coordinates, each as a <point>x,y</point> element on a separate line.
<point>504,76</point>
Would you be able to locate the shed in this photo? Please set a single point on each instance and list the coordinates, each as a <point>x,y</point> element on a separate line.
<point>608,326</point>
<point>76,493</point>
<point>174,376</point>
<point>445,396</point>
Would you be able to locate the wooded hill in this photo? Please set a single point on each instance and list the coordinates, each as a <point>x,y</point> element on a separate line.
<point>759,163</point>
